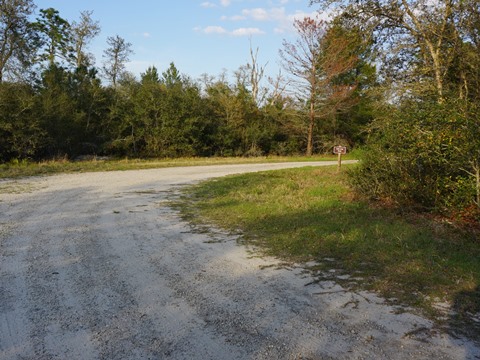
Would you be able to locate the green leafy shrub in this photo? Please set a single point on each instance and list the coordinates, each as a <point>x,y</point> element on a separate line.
<point>424,155</point>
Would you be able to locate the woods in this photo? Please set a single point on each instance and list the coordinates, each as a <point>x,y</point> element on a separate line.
<point>424,147</point>
<point>57,102</point>
<point>398,79</point>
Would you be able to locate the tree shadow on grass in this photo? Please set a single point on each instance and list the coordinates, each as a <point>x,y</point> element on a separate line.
<point>398,257</point>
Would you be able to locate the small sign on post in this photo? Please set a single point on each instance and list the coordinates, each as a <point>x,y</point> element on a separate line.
<point>340,150</point>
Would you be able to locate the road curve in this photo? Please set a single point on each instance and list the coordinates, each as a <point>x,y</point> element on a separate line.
<point>98,266</point>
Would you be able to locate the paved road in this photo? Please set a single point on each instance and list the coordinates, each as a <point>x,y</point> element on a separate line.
<point>98,266</point>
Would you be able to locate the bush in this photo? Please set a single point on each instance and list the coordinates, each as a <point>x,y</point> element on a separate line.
<point>21,135</point>
<point>424,156</point>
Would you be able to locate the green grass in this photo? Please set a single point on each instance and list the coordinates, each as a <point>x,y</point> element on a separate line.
<point>310,214</point>
<point>17,169</point>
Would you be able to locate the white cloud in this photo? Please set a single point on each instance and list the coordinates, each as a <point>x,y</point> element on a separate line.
<point>218,30</point>
<point>233,18</point>
<point>261,14</point>
<point>213,30</point>
<point>207,4</point>
<point>247,32</point>
<point>281,19</point>
<point>146,35</point>
<point>278,15</point>
<point>257,14</point>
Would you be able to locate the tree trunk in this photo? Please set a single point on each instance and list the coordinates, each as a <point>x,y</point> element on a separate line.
<point>434,49</point>
<point>477,179</point>
<point>438,75</point>
<point>311,126</point>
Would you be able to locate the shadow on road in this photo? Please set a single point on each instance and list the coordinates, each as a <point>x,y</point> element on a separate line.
<point>465,318</point>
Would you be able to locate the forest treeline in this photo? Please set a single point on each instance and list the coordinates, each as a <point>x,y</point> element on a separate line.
<point>401,79</point>
<point>56,101</point>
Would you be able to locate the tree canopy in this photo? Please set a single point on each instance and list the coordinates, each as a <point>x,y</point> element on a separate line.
<point>424,148</point>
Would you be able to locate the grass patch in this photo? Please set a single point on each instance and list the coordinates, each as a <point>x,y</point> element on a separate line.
<point>309,214</point>
<point>15,188</point>
<point>16,169</point>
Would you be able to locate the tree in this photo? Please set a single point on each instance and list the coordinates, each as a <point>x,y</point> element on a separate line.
<point>20,129</point>
<point>256,75</point>
<point>171,77</point>
<point>58,112</point>
<point>316,60</point>
<point>424,148</point>
<point>55,36</point>
<point>15,33</point>
<point>83,32</point>
<point>464,72</point>
<point>416,37</point>
<point>116,56</point>
<point>348,81</point>
<point>278,86</point>
<point>149,102</point>
<point>300,59</point>
<point>150,76</point>
<point>121,123</point>
<point>91,108</point>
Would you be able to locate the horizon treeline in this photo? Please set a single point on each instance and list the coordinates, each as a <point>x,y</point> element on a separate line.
<point>57,102</point>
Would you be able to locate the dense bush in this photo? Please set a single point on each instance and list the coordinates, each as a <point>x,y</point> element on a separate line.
<point>424,155</point>
<point>21,134</point>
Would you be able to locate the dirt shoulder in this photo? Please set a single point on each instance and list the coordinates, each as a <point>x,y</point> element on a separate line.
<point>98,266</point>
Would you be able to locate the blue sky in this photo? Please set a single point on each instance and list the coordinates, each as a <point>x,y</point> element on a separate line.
<point>198,36</point>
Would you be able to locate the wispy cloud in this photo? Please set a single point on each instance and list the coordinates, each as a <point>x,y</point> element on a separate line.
<point>233,18</point>
<point>208,4</point>
<point>259,14</point>
<point>218,30</point>
<point>278,15</point>
<point>214,30</point>
<point>222,3</point>
<point>281,19</point>
<point>247,32</point>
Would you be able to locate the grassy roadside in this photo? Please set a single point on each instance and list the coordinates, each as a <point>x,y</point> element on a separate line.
<point>310,214</point>
<point>23,168</point>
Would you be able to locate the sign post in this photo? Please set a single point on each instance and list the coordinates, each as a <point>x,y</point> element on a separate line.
<point>340,150</point>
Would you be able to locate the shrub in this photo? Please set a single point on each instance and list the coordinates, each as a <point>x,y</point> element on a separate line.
<point>424,155</point>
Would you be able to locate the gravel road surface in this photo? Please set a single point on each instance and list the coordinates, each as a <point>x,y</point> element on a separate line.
<point>98,266</point>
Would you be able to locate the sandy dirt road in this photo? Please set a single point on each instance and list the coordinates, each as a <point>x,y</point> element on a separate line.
<point>97,266</point>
